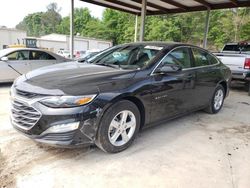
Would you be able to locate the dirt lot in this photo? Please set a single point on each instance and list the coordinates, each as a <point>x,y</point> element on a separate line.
<point>198,150</point>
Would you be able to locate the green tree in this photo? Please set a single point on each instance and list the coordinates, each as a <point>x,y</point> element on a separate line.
<point>41,23</point>
<point>32,24</point>
<point>64,26</point>
<point>225,26</point>
<point>50,19</point>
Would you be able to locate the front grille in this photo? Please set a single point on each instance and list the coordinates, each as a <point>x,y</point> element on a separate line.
<point>26,94</point>
<point>23,115</point>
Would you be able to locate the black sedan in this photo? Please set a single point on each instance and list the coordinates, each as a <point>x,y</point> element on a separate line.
<point>107,99</point>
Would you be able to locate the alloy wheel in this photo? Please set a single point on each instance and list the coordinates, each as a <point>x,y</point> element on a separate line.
<point>218,99</point>
<point>122,128</point>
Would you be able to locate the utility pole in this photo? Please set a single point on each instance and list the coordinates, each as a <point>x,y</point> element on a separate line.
<point>72,30</point>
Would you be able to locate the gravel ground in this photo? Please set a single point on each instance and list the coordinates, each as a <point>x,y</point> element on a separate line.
<point>198,150</point>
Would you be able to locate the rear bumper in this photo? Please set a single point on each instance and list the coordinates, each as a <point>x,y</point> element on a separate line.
<point>241,75</point>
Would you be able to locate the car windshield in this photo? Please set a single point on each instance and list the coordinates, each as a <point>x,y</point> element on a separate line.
<point>126,56</point>
<point>4,52</point>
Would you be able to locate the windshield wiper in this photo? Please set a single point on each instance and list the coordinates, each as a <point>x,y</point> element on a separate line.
<point>109,65</point>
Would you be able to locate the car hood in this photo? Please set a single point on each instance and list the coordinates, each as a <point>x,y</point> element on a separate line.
<point>73,78</point>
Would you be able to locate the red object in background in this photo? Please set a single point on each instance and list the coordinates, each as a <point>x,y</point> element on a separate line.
<point>77,55</point>
<point>247,63</point>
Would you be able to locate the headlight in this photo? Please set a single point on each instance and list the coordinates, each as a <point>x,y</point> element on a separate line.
<point>67,101</point>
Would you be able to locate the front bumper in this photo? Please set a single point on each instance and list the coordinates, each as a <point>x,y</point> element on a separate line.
<point>33,119</point>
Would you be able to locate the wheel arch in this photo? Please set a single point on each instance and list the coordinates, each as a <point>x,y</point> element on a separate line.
<point>140,107</point>
<point>223,83</point>
<point>138,102</point>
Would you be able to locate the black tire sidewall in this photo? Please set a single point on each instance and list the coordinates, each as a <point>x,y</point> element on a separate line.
<point>249,88</point>
<point>102,140</point>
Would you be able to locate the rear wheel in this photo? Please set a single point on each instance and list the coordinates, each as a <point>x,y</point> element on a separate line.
<point>118,127</point>
<point>249,88</point>
<point>217,100</point>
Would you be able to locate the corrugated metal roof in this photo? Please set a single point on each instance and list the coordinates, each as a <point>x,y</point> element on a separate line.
<point>155,7</point>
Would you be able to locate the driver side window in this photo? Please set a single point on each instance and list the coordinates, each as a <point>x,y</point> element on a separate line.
<point>180,56</point>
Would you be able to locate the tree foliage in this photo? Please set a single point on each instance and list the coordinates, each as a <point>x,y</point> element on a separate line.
<point>225,26</point>
<point>42,23</point>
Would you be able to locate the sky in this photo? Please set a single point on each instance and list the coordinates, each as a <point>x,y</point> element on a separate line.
<point>13,11</point>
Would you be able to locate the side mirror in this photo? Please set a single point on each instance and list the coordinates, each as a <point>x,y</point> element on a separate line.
<point>169,68</point>
<point>4,58</point>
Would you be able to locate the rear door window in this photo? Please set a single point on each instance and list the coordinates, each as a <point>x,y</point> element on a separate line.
<point>39,55</point>
<point>200,57</point>
<point>212,60</point>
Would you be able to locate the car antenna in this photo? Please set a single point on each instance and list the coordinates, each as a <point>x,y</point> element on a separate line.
<point>14,69</point>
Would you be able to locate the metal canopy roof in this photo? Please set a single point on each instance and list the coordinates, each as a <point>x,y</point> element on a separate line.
<point>156,7</point>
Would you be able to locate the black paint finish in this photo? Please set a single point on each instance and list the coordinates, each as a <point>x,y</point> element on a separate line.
<point>158,96</point>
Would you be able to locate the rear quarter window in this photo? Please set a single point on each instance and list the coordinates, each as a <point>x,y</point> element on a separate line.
<point>200,57</point>
<point>212,60</point>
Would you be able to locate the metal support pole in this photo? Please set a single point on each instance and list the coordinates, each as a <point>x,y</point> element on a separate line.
<point>72,30</point>
<point>143,15</point>
<point>136,28</point>
<point>206,29</point>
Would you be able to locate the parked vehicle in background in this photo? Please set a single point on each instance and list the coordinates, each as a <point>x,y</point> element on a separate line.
<point>16,61</point>
<point>78,54</point>
<point>87,56</point>
<point>237,57</point>
<point>64,53</point>
<point>118,92</point>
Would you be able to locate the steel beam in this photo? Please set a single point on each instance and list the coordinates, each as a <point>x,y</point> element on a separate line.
<point>174,3</point>
<point>204,3</point>
<point>143,16</point>
<point>206,29</point>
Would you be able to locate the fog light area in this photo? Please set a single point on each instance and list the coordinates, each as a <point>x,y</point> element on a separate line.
<point>61,128</point>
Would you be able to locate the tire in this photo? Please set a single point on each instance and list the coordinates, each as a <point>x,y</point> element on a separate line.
<point>121,118</point>
<point>217,100</point>
<point>249,88</point>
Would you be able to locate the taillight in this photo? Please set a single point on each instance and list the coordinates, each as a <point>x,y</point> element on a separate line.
<point>247,63</point>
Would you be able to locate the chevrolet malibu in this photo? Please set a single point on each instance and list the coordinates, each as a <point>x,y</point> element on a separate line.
<point>107,99</point>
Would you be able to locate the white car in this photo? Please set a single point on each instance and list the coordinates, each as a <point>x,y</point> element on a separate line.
<point>64,53</point>
<point>17,61</point>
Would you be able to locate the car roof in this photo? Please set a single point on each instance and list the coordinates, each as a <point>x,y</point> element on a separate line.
<point>8,50</point>
<point>160,43</point>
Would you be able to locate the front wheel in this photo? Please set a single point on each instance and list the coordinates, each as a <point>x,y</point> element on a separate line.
<point>217,100</point>
<point>118,127</point>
